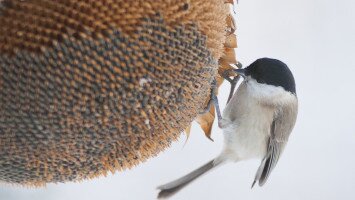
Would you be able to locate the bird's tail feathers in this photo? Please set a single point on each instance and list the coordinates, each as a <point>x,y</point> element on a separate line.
<point>169,189</point>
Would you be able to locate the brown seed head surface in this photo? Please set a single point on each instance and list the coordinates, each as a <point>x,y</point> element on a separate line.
<point>89,86</point>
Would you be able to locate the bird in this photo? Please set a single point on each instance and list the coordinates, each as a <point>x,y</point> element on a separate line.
<point>256,122</point>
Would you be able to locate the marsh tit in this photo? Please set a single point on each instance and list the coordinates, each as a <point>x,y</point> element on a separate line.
<point>256,122</point>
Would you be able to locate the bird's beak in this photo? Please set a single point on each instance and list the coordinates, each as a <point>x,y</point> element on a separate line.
<point>240,72</point>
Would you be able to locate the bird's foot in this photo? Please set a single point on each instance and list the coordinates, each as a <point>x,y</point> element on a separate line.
<point>233,81</point>
<point>214,100</point>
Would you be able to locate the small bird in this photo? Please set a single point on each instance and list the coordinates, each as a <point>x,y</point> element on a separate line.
<point>256,122</point>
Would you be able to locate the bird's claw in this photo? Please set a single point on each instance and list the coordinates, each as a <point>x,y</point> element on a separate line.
<point>214,100</point>
<point>233,81</point>
<point>213,93</point>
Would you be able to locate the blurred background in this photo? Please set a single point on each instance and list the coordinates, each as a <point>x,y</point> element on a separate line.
<point>317,40</point>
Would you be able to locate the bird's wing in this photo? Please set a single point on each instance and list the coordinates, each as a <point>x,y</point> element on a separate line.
<point>280,130</point>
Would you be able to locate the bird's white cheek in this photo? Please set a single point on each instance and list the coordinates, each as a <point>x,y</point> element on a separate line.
<point>269,94</point>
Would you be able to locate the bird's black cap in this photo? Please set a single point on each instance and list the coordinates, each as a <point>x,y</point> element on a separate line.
<point>272,72</point>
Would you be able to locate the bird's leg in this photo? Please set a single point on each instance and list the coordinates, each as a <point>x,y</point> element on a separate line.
<point>216,105</point>
<point>214,100</point>
<point>233,81</point>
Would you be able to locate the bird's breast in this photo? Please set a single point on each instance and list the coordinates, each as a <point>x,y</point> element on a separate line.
<point>247,127</point>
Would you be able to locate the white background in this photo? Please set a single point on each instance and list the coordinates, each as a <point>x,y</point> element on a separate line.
<point>316,38</point>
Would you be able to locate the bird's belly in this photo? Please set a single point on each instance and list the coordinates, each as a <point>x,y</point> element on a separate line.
<point>247,137</point>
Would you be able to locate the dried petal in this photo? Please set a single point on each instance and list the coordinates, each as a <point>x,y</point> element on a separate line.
<point>231,24</point>
<point>231,41</point>
<point>206,122</point>
<point>229,56</point>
